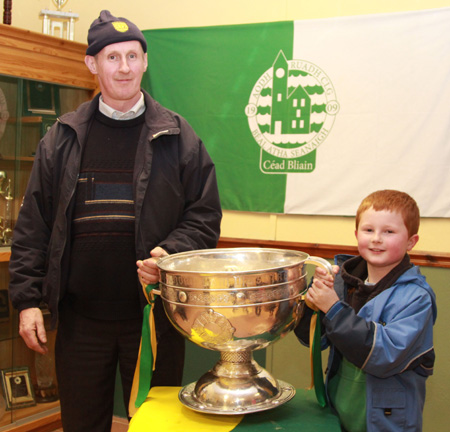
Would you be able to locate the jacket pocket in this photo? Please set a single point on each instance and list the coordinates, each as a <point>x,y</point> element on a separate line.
<point>388,411</point>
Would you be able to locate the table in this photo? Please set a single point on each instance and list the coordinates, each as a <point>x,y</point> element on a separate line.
<point>162,411</point>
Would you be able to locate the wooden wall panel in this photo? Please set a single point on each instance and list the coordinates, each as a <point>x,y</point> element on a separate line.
<point>420,258</point>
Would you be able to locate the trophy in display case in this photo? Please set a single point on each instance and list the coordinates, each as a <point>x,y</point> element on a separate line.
<point>45,389</point>
<point>6,219</point>
<point>59,3</point>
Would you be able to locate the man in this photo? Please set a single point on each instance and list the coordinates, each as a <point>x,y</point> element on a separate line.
<point>116,182</point>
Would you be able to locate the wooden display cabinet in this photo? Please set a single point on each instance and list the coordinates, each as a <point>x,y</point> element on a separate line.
<point>41,77</point>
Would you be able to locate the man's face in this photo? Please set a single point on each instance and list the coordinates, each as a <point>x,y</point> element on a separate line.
<point>119,68</point>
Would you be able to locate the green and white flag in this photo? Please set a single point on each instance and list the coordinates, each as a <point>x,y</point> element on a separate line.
<point>309,117</point>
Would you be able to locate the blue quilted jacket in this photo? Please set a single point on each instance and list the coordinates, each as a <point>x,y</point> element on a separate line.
<point>391,340</point>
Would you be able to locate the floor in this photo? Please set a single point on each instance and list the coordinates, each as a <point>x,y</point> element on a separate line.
<point>119,425</point>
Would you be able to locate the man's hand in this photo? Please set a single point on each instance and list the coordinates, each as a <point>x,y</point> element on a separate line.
<point>32,330</point>
<point>147,269</point>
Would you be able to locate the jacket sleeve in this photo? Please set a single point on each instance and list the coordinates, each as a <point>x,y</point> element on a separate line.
<point>351,334</point>
<point>386,347</point>
<point>31,236</point>
<point>404,337</point>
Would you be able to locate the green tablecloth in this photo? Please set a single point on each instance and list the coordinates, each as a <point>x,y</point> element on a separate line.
<point>163,412</point>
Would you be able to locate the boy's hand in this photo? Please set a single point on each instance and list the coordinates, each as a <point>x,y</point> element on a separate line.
<point>321,294</point>
<point>325,277</point>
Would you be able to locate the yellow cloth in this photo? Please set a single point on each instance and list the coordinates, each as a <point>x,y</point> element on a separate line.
<point>163,412</point>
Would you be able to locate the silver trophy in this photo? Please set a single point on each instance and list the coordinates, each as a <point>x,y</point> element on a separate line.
<point>235,301</point>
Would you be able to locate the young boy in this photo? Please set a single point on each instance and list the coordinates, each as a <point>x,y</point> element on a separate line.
<point>378,318</point>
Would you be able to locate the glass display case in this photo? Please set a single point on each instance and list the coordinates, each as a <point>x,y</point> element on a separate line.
<point>28,108</point>
<point>41,77</point>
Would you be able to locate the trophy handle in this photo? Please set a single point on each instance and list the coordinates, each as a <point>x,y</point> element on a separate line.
<point>319,262</point>
<point>157,291</point>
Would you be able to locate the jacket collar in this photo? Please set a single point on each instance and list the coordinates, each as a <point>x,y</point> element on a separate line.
<point>354,272</point>
<point>158,119</point>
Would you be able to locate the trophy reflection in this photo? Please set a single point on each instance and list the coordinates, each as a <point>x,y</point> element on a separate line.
<point>6,220</point>
<point>45,389</point>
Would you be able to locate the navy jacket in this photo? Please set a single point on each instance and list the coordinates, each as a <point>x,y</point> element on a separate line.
<point>176,198</point>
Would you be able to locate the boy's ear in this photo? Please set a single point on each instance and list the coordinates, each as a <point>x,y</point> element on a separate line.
<point>412,241</point>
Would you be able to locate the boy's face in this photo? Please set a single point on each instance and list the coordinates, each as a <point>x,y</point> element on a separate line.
<point>383,240</point>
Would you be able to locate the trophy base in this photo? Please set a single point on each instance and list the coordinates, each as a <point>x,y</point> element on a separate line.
<point>46,394</point>
<point>188,398</point>
<point>236,385</point>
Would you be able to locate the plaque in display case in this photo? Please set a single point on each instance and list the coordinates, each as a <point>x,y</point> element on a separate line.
<point>40,98</point>
<point>17,387</point>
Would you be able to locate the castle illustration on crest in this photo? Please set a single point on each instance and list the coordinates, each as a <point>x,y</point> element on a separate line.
<point>291,110</point>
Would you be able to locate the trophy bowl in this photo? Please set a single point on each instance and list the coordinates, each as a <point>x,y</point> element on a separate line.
<point>235,301</point>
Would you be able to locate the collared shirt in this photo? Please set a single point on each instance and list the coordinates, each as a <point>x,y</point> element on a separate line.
<point>135,111</point>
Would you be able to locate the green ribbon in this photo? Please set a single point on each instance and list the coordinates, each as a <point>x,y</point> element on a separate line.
<point>146,356</point>
<point>319,386</point>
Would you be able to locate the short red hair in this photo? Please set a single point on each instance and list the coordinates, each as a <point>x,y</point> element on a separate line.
<point>393,201</point>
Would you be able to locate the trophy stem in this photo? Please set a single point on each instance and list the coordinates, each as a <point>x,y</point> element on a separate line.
<point>236,384</point>
<point>234,358</point>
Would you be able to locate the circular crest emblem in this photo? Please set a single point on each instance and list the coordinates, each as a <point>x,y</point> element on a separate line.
<point>292,108</point>
<point>212,327</point>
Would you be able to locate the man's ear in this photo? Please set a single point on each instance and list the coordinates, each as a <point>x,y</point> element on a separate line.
<point>146,61</point>
<point>91,64</point>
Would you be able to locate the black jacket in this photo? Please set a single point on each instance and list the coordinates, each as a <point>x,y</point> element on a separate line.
<point>176,198</point>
